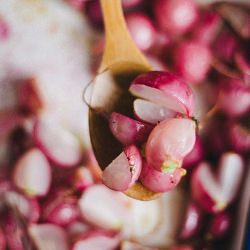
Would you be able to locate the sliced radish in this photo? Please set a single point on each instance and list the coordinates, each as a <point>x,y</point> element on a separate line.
<point>165,89</point>
<point>128,245</point>
<point>60,145</point>
<point>160,182</point>
<point>48,237</point>
<point>97,240</point>
<point>169,142</point>
<point>82,178</point>
<point>192,221</point>
<point>127,130</point>
<point>124,170</point>
<point>103,207</point>
<point>231,170</point>
<point>151,112</point>
<point>32,173</point>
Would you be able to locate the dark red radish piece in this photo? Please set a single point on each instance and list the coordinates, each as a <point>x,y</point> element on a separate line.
<point>113,211</point>
<point>97,240</point>
<point>60,145</point>
<point>165,89</point>
<point>48,237</point>
<point>2,240</point>
<point>192,61</point>
<point>128,131</point>
<point>82,178</point>
<point>151,112</point>
<point>94,14</point>
<point>219,225</point>
<point>141,29</point>
<point>175,16</point>
<point>234,97</point>
<point>158,181</point>
<point>214,194</point>
<point>29,98</point>
<point>169,142</point>
<point>32,173</point>
<point>124,170</point>
<point>192,221</point>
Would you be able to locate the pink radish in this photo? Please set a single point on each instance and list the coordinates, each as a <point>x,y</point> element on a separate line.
<point>124,170</point>
<point>128,131</point>
<point>97,240</point>
<point>192,221</point>
<point>169,142</point>
<point>103,207</point>
<point>48,237</point>
<point>164,89</point>
<point>151,112</point>
<point>214,194</point>
<point>160,182</point>
<point>32,173</point>
<point>175,16</point>
<point>82,178</point>
<point>60,145</point>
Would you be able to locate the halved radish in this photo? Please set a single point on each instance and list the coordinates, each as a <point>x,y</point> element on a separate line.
<point>124,170</point>
<point>60,145</point>
<point>48,237</point>
<point>165,89</point>
<point>151,112</point>
<point>97,240</point>
<point>158,181</point>
<point>103,207</point>
<point>128,131</point>
<point>32,173</point>
<point>169,142</point>
<point>214,194</point>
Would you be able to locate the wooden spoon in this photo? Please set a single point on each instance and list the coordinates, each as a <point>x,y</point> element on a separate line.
<point>121,63</point>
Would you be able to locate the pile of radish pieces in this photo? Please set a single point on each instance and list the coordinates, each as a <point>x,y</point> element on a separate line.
<point>191,127</point>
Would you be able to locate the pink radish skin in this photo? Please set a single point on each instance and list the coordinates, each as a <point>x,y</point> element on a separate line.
<point>192,61</point>
<point>128,131</point>
<point>113,213</point>
<point>32,173</point>
<point>124,170</point>
<point>234,97</point>
<point>192,221</point>
<point>160,182</point>
<point>4,30</point>
<point>175,16</point>
<point>48,236</point>
<point>196,155</point>
<point>219,225</point>
<point>60,146</point>
<point>212,193</point>
<point>141,29</point>
<point>97,240</point>
<point>169,142</point>
<point>82,178</point>
<point>127,4</point>
<point>164,89</point>
<point>152,113</point>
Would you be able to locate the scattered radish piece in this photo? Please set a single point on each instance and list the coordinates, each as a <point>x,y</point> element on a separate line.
<point>165,89</point>
<point>97,240</point>
<point>124,170</point>
<point>32,173</point>
<point>169,142</point>
<point>160,182</point>
<point>60,145</point>
<point>103,207</point>
<point>128,131</point>
<point>175,16</point>
<point>192,221</point>
<point>151,112</point>
<point>48,237</point>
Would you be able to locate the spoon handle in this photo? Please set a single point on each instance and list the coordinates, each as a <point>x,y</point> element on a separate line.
<point>119,46</point>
